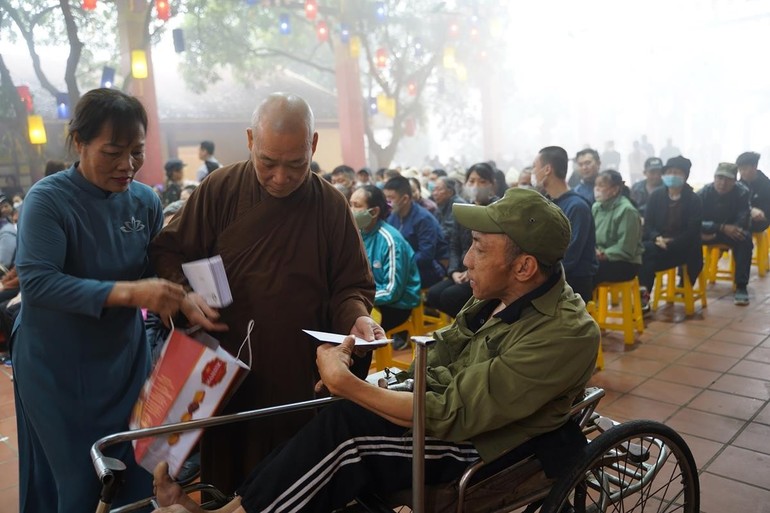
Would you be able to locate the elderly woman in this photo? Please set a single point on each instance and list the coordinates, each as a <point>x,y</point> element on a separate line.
<point>618,230</point>
<point>79,350</point>
<point>396,278</point>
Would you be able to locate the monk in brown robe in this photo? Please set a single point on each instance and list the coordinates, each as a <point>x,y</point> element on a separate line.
<point>294,259</point>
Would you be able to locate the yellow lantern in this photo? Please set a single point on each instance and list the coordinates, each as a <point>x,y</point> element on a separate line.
<point>36,130</point>
<point>449,57</point>
<point>462,72</point>
<point>391,108</point>
<point>138,64</point>
<point>355,47</point>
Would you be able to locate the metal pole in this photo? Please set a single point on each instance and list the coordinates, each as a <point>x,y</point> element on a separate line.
<point>418,423</point>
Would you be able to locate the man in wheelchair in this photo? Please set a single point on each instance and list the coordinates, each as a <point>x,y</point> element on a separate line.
<point>503,374</point>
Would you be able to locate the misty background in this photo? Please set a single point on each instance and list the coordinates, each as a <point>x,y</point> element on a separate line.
<point>565,73</point>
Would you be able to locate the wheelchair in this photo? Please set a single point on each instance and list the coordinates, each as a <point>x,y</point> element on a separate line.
<point>635,466</point>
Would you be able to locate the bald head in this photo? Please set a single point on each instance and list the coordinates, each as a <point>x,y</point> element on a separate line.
<point>284,113</point>
<point>282,141</point>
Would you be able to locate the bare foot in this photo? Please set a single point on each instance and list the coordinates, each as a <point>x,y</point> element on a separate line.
<point>169,493</point>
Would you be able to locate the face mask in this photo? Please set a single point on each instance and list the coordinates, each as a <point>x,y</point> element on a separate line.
<point>470,192</point>
<point>673,181</point>
<point>343,189</point>
<point>17,205</point>
<point>379,185</point>
<point>431,186</point>
<point>363,218</point>
<point>598,195</point>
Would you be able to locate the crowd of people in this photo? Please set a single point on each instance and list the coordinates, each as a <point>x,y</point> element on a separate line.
<point>618,232</point>
<point>304,249</point>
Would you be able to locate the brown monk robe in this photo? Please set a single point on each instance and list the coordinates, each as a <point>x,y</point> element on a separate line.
<point>293,263</point>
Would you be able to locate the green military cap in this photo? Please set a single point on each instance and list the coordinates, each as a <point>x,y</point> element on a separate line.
<point>535,224</point>
<point>727,169</point>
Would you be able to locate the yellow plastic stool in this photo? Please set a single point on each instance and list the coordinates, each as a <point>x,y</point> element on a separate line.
<point>430,320</point>
<point>591,309</point>
<point>761,257</point>
<point>383,357</point>
<point>630,314</point>
<point>712,254</point>
<point>672,293</point>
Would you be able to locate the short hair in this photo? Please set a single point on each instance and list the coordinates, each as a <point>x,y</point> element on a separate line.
<point>557,158</point>
<point>589,151</point>
<point>391,173</point>
<point>364,171</point>
<point>208,146</point>
<point>54,166</point>
<point>484,170</point>
<point>439,172</point>
<point>749,158</point>
<point>399,184</point>
<point>315,167</point>
<point>376,198</point>
<point>100,107</point>
<point>348,171</point>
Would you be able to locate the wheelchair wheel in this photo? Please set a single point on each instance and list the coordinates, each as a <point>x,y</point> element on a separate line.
<point>636,466</point>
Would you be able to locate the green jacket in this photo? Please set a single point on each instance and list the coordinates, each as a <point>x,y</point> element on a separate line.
<point>506,383</point>
<point>618,230</point>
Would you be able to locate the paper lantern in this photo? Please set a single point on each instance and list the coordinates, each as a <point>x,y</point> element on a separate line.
<point>63,106</point>
<point>164,11</point>
<point>386,106</point>
<point>344,33</point>
<point>26,97</point>
<point>178,35</point>
<point>311,9</point>
<point>381,58</point>
<point>322,31</point>
<point>355,47</point>
<point>373,105</point>
<point>379,11</point>
<point>108,77</point>
<point>411,88</point>
<point>89,5</point>
<point>454,29</point>
<point>36,130</point>
<point>449,57</point>
<point>284,24</point>
<point>462,72</point>
<point>139,64</point>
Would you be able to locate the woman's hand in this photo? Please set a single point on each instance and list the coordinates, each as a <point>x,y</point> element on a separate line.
<point>160,296</point>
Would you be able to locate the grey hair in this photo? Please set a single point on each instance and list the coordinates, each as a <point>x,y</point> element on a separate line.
<point>283,112</point>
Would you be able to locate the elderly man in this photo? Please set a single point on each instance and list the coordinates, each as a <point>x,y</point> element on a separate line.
<point>726,220</point>
<point>759,187</point>
<point>641,190</point>
<point>503,375</point>
<point>294,260</point>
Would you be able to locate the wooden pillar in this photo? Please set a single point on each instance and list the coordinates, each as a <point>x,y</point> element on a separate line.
<point>133,31</point>
<point>350,112</point>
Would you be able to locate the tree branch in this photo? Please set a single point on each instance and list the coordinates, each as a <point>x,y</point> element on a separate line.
<point>30,40</point>
<point>76,48</point>
<point>274,52</point>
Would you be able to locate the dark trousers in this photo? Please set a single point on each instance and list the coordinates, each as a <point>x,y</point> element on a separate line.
<point>392,317</point>
<point>345,451</point>
<point>448,296</point>
<point>742,254</point>
<point>582,285</point>
<point>656,259</point>
<point>615,272</point>
<point>759,226</point>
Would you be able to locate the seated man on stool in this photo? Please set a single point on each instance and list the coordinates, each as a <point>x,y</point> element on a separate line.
<point>503,375</point>
<point>726,220</point>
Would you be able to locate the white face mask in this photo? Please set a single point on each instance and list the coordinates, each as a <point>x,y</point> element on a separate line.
<point>17,205</point>
<point>535,183</point>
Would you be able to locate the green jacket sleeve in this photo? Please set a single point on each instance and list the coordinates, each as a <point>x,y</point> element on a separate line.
<point>629,230</point>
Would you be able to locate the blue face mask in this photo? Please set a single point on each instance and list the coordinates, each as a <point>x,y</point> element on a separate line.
<point>674,181</point>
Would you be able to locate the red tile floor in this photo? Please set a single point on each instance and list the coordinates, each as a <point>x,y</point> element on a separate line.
<point>707,376</point>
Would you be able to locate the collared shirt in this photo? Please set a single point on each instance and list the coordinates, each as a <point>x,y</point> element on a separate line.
<point>516,375</point>
<point>512,312</point>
